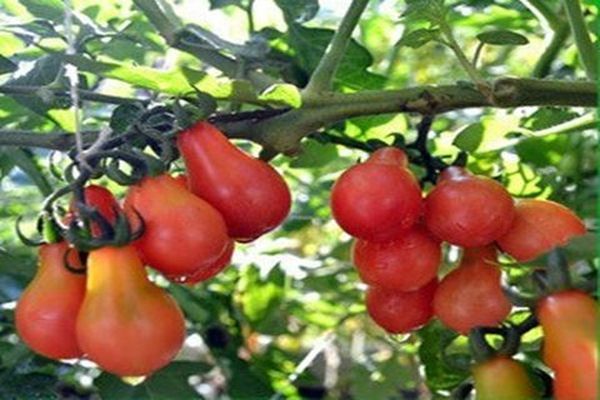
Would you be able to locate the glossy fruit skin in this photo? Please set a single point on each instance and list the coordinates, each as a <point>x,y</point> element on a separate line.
<point>569,321</point>
<point>127,325</point>
<point>47,310</point>
<point>471,295</point>
<point>400,312</point>
<point>213,270</point>
<point>404,264</point>
<point>379,199</point>
<point>502,378</point>
<point>250,194</point>
<point>183,234</point>
<point>539,226</point>
<point>468,210</point>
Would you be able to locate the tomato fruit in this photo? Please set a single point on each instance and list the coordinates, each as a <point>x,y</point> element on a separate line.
<point>502,378</point>
<point>471,295</point>
<point>183,234</point>
<point>102,200</point>
<point>569,321</point>
<point>539,226</point>
<point>212,270</point>
<point>404,264</point>
<point>468,210</point>
<point>127,325</point>
<point>47,310</point>
<point>378,199</point>
<point>400,312</point>
<point>252,197</point>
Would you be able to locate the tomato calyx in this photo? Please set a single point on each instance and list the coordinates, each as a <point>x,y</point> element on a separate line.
<point>482,350</point>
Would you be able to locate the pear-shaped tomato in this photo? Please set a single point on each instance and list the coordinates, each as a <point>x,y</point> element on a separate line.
<point>502,378</point>
<point>404,264</point>
<point>569,321</point>
<point>378,199</point>
<point>400,312</point>
<point>539,226</point>
<point>126,324</point>
<point>471,295</point>
<point>183,235</point>
<point>252,197</point>
<point>47,310</point>
<point>468,210</point>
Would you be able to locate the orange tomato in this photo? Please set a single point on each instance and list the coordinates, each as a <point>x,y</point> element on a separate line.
<point>127,325</point>
<point>47,310</point>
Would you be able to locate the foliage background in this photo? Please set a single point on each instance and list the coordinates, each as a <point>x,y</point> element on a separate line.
<point>287,319</point>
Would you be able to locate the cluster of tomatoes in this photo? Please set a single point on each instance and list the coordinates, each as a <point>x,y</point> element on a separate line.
<point>397,252</point>
<point>113,314</point>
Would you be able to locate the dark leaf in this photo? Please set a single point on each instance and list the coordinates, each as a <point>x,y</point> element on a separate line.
<point>418,38</point>
<point>502,37</point>
<point>470,137</point>
<point>298,11</point>
<point>6,65</point>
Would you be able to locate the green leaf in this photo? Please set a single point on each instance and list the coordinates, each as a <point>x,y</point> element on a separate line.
<point>28,387</point>
<point>470,137</point>
<point>418,38</point>
<point>177,82</point>
<point>314,155</point>
<point>440,375</point>
<point>502,37</point>
<point>282,94</point>
<point>169,383</point>
<point>298,11</point>
<point>547,117</point>
<point>262,300</point>
<point>45,9</point>
<point>433,11</point>
<point>6,65</point>
<point>309,44</point>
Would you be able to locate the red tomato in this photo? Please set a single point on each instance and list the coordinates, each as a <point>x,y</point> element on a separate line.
<point>471,295</point>
<point>184,235</point>
<point>402,265</point>
<point>47,310</point>
<point>100,198</point>
<point>252,197</point>
<point>468,210</point>
<point>400,312</point>
<point>502,378</point>
<point>569,321</point>
<point>127,325</point>
<point>211,271</point>
<point>379,199</point>
<point>539,226</point>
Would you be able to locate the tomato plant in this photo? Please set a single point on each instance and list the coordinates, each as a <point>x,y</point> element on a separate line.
<point>299,200</point>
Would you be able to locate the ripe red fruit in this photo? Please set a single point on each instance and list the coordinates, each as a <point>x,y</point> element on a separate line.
<point>569,321</point>
<point>471,295</point>
<point>127,324</point>
<point>46,313</point>
<point>400,312</point>
<point>252,197</point>
<point>404,264</point>
<point>183,234</point>
<point>378,199</point>
<point>468,210</point>
<point>539,226</point>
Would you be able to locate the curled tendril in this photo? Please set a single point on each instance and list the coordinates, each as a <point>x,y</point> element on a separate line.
<point>53,168</point>
<point>72,268</point>
<point>23,238</point>
<point>121,233</point>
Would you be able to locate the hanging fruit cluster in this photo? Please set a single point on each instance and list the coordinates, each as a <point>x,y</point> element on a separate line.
<point>397,253</point>
<point>91,296</point>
